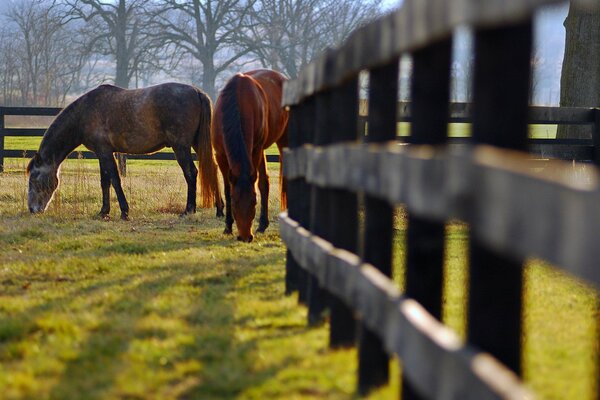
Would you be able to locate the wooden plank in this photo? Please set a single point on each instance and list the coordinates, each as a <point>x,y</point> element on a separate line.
<point>318,298</point>
<point>344,221</point>
<point>430,90</point>
<point>163,156</point>
<point>377,235</point>
<point>30,111</point>
<point>459,177</point>
<point>500,111</point>
<point>463,112</point>
<point>2,134</point>
<point>437,363</point>
<point>21,132</point>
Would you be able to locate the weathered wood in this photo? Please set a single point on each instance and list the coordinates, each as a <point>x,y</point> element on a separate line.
<point>596,141</point>
<point>305,137</point>
<point>2,134</point>
<point>30,111</point>
<point>318,298</point>
<point>292,269</point>
<point>437,363</point>
<point>468,183</point>
<point>373,367</point>
<point>463,112</point>
<point>430,91</point>
<point>501,82</point>
<point>89,155</point>
<point>344,224</point>
<point>20,132</point>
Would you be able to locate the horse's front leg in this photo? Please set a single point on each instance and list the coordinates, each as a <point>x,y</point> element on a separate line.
<point>108,159</point>
<point>263,187</point>
<point>190,172</point>
<point>224,168</point>
<point>105,184</point>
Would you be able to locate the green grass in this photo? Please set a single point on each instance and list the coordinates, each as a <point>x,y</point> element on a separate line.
<point>164,307</point>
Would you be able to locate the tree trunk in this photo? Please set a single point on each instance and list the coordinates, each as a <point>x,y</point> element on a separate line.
<point>209,77</point>
<point>580,79</point>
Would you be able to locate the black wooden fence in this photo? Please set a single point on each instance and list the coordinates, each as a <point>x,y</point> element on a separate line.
<point>52,111</point>
<point>336,261</point>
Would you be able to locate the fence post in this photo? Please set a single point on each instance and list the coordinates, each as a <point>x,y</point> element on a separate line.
<point>305,131</point>
<point>430,92</point>
<point>122,161</point>
<point>502,71</point>
<point>596,136</point>
<point>373,367</point>
<point>318,297</point>
<point>292,269</point>
<point>596,160</point>
<point>343,221</point>
<point>1,139</point>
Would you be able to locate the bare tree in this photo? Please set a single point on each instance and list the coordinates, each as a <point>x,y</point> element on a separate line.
<point>206,30</point>
<point>41,56</point>
<point>287,34</point>
<point>119,29</point>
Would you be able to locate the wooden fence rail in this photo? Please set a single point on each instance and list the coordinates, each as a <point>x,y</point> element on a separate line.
<point>566,149</point>
<point>52,111</point>
<point>336,260</point>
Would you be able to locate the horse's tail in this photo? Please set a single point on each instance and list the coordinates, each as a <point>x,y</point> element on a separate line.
<point>210,193</point>
<point>235,144</point>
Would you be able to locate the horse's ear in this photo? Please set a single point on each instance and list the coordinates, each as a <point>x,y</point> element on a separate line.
<point>36,161</point>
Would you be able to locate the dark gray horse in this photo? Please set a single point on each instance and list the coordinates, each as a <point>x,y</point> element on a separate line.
<point>110,119</point>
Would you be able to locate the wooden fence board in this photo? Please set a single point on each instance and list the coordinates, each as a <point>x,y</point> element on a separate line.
<point>30,111</point>
<point>437,363</point>
<point>496,190</point>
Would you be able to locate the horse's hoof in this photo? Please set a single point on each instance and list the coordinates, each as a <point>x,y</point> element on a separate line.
<point>220,213</point>
<point>103,217</point>
<point>262,227</point>
<point>125,217</point>
<point>227,231</point>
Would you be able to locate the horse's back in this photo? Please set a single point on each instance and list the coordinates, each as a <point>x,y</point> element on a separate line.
<point>144,120</point>
<point>271,83</point>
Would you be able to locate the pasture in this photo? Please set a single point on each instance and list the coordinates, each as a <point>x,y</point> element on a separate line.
<point>166,307</point>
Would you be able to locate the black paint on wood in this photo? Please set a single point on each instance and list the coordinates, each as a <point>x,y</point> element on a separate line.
<point>373,367</point>
<point>343,209</point>
<point>292,269</point>
<point>306,135</point>
<point>320,213</point>
<point>430,92</point>
<point>1,143</point>
<point>502,73</point>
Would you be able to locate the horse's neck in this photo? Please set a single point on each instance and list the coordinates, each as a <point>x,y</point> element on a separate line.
<point>59,141</point>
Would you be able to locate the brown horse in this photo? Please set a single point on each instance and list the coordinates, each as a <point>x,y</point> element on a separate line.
<point>248,119</point>
<point>110,119</point>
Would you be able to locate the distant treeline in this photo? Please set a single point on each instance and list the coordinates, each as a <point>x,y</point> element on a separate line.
<point>51,50</point>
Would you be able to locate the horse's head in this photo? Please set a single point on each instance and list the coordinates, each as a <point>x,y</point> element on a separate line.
<point>43,181</point>
<point>243,206</point>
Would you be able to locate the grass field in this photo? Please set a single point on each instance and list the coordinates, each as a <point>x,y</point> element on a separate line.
<point>164,307</point>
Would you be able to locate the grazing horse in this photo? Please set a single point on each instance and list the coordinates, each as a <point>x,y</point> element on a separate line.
<point>110,119</point>
<point>248,119</point>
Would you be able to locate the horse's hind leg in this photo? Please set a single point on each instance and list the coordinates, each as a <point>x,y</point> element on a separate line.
<point>108,164</point>
<point>105,184</point>
<point>263,187</point>
<point>190,172</point>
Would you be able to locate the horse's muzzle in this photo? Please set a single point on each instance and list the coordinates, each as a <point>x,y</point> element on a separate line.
<point>245,240</point>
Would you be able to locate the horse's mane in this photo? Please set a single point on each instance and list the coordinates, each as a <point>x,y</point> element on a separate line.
<point>232,130</point>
